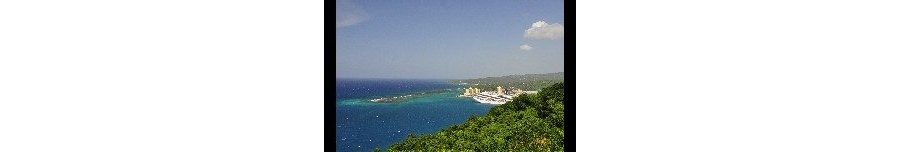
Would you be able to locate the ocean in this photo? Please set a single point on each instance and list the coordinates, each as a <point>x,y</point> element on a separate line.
<point>363,125</point>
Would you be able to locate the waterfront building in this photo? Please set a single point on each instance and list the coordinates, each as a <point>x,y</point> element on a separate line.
<point>471,91</point>
<point>500,96</point>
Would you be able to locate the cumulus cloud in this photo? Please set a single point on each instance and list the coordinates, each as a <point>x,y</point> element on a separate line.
<point>349,14</point>
<point>524,47</point>
<point>542,30</point>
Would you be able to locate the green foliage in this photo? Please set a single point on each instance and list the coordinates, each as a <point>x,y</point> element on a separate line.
<point>528,82</point>
<point>531,122</point>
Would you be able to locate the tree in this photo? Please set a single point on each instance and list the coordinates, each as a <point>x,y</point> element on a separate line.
<point>527,123</point>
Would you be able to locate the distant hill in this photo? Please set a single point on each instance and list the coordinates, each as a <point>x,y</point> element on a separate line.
<point>530,82</point>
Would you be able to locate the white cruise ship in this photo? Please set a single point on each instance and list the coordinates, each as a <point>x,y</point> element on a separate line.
<point>492,98</point>
<point>500,96</point>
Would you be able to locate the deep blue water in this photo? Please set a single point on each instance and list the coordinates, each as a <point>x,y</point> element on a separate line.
<point>363,125</point>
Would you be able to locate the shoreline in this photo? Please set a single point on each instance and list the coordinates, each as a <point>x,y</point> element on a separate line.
<point>403,98</point>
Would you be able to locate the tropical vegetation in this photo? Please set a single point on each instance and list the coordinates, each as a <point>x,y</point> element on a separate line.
<point>530,122</point>
<point>530,82</point>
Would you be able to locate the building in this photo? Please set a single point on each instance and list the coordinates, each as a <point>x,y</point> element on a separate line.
<point>500,96</point>
<point>471,91</point>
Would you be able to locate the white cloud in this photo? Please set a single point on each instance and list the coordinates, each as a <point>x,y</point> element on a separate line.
<point>524,47</point>
<point>542,30</point>
<point>349,14</point>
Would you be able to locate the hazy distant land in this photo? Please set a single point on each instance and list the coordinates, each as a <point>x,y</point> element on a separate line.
<point>531,82</point>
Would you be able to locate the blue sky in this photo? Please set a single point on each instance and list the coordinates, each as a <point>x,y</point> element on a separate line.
<point>453,39</point>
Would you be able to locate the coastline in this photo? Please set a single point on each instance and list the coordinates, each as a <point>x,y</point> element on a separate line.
<point>364,125</point>
<point>408,96</point>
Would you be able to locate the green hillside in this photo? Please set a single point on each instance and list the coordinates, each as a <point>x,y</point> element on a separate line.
<point>531,122</point>
<point>529,82</point>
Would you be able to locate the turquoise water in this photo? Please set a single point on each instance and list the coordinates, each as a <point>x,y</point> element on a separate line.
<point>363,125</point>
